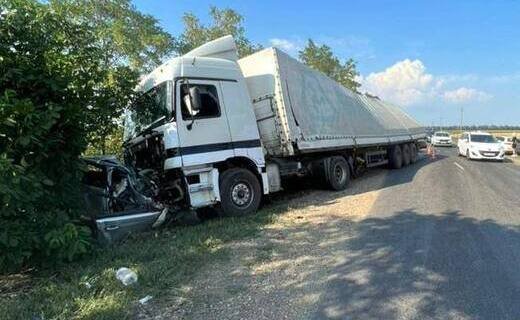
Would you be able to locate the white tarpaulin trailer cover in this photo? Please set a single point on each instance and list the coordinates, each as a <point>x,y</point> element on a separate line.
<point>300,109</point>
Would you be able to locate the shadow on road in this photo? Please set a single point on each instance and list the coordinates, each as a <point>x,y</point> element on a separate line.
<point>307,192</point>
<point>418,266</point>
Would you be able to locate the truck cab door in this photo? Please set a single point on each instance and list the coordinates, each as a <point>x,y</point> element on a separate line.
<point>204,135</point>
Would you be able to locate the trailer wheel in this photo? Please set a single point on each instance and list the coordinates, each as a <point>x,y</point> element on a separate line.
<point>239,192</point>
<point>406,154</point>
<point>338,174</point>
<point>413,153</point>
<point>395,157</point>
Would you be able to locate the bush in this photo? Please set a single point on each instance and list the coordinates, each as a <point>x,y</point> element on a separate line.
<point>51,84</point>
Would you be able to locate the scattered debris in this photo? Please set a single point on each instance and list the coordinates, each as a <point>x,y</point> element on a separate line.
<point>145,300</point>
<point>126,276</point>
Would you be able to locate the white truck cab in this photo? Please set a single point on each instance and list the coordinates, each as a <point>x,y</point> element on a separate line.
<point>194,113</point>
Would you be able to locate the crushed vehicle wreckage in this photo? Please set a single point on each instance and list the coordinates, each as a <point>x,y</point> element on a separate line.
<point>119,201</point>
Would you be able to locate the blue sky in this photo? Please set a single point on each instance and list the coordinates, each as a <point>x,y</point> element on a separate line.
<point>430,57</point>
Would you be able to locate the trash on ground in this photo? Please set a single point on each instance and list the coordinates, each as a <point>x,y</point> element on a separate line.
<point>145,300</point>
<point>126,276</point>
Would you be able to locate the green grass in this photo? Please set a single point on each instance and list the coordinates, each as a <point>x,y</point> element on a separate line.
<point>165,261</point>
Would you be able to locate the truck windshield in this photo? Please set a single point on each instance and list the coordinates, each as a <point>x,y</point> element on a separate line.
<point>441,134</point>
<point>146,109</point>
<point>483,138</point>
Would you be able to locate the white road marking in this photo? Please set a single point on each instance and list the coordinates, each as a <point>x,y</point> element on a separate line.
<point>459,166</point>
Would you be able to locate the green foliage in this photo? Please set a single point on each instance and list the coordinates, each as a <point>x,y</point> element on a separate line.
<point>52,87</point>
<point>130,43</point>
<point>323,59</point>
<point>112,145</point>
<point>126,36</point>
<point>224,22</point>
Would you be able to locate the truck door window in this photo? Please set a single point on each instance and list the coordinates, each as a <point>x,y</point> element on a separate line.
<point>210,107</point>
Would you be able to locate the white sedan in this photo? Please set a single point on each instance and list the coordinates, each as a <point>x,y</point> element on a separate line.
<point>507,142</point>
<point>480,145</point>
<point>441,138</point>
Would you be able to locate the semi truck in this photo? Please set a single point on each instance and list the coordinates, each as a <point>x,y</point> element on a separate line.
<point>212,130</point>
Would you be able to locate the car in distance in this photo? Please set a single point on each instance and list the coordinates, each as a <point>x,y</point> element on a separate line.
<point>507,143</point>
<point>441,138</point>
<point>480,145</point>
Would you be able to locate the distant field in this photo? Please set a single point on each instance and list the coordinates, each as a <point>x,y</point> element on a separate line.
<point>507,133</point>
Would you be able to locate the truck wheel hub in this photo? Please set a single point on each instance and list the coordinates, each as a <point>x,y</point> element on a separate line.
<point>241,194</point>
<point>339,173</point>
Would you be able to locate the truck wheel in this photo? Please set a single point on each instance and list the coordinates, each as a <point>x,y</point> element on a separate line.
<point>239,192</point>
<point>339,173</point>
<point>395,157</point>
<point>406,154</point>
<point>413,153</point>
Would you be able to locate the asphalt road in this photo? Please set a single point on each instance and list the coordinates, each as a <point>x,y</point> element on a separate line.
<point>442,241</point>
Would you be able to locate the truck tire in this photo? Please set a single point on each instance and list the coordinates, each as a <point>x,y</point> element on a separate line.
<point>395,157</point>
<point>338,174</point>
<point>413,153</point>
<point>240,192</point>
<point>406,154</point>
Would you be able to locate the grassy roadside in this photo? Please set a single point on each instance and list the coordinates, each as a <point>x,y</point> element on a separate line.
<point>165,262</point>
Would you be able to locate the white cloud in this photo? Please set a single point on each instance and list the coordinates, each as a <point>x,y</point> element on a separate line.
<point>358,48</point>
<point>289,46</point>
<point>405,83</point>
<point>408,83</point>
<point>464,95</point>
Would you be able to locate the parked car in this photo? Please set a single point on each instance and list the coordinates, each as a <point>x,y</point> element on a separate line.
<point>507,143</point>
<point>441,138</point>
<point>115,204</point>
<point>480,145</point>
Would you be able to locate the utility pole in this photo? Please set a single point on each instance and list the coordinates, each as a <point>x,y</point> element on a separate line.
<point>461,117</point>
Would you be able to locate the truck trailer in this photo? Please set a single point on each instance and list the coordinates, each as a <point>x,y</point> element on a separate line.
<point>211,130</point>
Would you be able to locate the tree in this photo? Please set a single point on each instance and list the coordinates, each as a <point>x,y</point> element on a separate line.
<point>224,22</point>
<point>126,38</point>
<point>53,81</point>
<point>323,59</point>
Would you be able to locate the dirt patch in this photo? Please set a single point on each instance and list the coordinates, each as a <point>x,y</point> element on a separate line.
<point>281,273</point>
<point>11,285</point>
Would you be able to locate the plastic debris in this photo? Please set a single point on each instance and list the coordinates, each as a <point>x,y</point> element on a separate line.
<point>87,285</point>
<point>126,276</point>
<point>145,300</point>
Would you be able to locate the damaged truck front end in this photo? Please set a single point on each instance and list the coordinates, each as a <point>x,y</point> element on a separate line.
<point>147,157</point>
